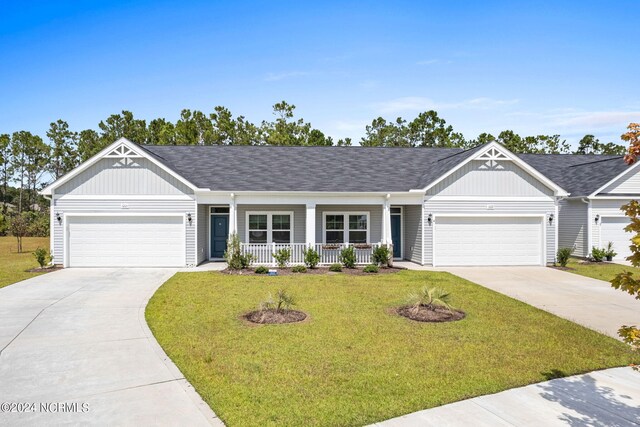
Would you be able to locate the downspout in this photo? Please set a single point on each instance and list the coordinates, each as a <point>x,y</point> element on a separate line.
<point>589,237</point>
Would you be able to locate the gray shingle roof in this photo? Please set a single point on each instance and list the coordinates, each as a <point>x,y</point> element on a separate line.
<point>328,169</point>
<point>358,169</point>
<point>580,175</point>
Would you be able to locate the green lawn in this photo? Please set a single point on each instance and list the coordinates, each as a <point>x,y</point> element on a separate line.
<point>13,265</point>
<point>603,271</point>
<point>352,362</point>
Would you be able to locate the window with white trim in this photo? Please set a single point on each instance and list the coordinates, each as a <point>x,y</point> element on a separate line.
<point>352,227</point>
<point>270,227</point>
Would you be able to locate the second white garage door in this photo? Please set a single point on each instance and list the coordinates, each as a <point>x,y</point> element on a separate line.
<point>126,241</point>
<point>612,230</point>
<point>488,241</point>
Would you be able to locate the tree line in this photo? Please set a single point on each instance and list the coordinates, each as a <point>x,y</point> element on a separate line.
<point>27,162</point>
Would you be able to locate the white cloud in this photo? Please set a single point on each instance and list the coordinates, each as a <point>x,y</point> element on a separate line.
<point>417,103</point>
<point>272,77</point>
<point>596,119</point>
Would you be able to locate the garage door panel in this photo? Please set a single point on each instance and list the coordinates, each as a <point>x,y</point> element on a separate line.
<point>488,241</point>
<point>126,241</point>
<point>612,230</point>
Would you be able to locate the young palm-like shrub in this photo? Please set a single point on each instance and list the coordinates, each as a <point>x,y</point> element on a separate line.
<point>348,257</point>
<point>282,257</point>
<point>430,298</point>
<point>563,256</point>
<point>381,256</point>
<point>311,257</point>
<point>281,303</point>
<point>609,253</point>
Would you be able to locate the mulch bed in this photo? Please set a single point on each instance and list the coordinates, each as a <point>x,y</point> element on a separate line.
<point>427,314</point>
<point>275,317</point>
<point>45,269</point>
<point>320,270</point>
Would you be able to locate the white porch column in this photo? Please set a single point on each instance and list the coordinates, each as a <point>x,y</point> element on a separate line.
<point>386,221</point>
<point>310,225</point>
<point>233,215</point>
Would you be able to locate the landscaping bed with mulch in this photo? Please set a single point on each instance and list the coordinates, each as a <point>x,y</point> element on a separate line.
<point>47,269</point>
<point>430,314</point>
<point>273,316</point>
<point>320,270</point>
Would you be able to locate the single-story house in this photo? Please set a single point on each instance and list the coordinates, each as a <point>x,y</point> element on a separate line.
<point>599,186</point>
<point>143,205</point>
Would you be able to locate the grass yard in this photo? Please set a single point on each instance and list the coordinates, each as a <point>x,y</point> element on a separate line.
<point>603,271</point>
<point>13,265</point>
<point>353,362</point>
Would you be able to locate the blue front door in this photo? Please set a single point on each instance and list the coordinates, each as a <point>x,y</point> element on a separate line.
<point>219,233</point>
<point>396,235</point>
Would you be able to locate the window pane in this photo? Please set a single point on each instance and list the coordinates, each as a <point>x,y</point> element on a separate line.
<point>335,222</point>
<point>220,210</point>
<point>257,222</point>
<point>281,222</point>
<point>357,222</point>
<point>257,236</point>
<point>396,210</point>
<point>335,237</point>
<point>357,237</point>
<point>281,236</point>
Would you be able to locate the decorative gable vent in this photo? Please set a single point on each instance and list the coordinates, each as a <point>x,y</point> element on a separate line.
<point>492,156</point>
<point>124,154</point>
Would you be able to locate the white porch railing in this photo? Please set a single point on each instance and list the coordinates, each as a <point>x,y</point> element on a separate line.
<point>329,253</point>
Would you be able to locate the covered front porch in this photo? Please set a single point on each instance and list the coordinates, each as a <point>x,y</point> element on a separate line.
<point>263,229</point>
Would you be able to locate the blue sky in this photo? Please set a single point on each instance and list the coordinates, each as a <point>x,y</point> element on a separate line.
<point>537,68</point>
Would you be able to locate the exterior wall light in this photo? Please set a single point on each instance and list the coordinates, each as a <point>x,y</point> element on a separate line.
<point>429,219</point>
<point>551,216</point>
<point>597,218</point>
<point>189,217</point>
<point>59,217</point>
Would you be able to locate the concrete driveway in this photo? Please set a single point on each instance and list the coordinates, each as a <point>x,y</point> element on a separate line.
<point>76,342</point>
<point>589,302</point>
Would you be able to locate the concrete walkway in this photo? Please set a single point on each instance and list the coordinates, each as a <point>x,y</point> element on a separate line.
<point>604,398</point>
<point>79,336</point>
<point>589,302</point>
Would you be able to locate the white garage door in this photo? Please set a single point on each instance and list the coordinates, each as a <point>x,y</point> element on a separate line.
<point>612,230</point>
<point>488,241</point>
<point>126,241</point>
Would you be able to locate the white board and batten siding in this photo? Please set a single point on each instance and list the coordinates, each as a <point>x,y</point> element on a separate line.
<point>118,194</point>
<point>573,227</point>
<point>489,214</point>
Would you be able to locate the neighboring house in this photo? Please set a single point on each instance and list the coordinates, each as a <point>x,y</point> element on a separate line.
<point>133,205</point>
<point>598,186</point>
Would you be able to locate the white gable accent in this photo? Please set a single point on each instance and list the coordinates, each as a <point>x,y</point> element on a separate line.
<point>121,149</point>
<point>494,156</point>
<point>627,182</point>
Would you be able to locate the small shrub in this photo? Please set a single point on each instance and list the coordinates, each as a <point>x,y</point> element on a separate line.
<point>283,302</point>
<point>282,257</point>
<point>299,269</point>
<point>430,298</point>
<point>348,257</point>
<point>261,269</point>
<point>335,267</point>
<point>234,256</point>
<point>311,257</point>
<point>371,268</point>
<point>42,256</point>
<point>609,253</point>
<point>381,256</point>
<point>563,256</point>
<point>598,255</point>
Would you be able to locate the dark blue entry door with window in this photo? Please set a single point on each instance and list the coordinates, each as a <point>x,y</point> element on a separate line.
<point>219,232</point>
<point>396,235</point>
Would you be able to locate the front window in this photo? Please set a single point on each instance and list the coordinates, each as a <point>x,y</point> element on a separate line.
<point>270,227</point>
<point>346,228</point>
